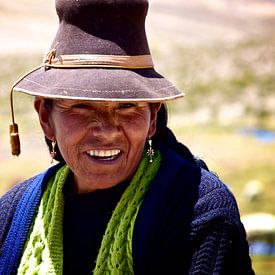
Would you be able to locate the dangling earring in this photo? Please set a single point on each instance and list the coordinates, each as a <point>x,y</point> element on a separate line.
<point>150,152</point>
<point>53,152</point>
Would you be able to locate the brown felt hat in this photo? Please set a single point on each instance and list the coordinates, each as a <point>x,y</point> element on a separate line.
<point>100,52</point>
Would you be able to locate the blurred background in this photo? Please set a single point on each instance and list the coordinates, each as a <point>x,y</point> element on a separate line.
<point>221,53</point>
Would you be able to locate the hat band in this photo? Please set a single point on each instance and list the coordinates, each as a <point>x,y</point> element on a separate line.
<point>95,60</point>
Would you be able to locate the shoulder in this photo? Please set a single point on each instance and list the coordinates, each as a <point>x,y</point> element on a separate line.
<point>199,190</point>
<point>11,199</point>
<point>215,200</point>
<point>186,206</point>
<point>12,196</point>
<point>17,190</point>
<point>15,193</point>
<point>8,204</point>
<point>203,207</point>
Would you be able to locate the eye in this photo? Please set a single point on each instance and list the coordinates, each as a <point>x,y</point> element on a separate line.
<point>126,105</point>
<point>82,106</point>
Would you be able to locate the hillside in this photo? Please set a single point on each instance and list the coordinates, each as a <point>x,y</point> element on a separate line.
<point>29,25</point>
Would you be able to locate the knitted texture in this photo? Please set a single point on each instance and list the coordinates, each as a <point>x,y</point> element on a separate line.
<point>43,252</point>
<point>16,237</point>
<point>11,198</point>
<point>44,249</point>
<point>115,254</point>
<point>215,223</point>
<point>215,243</point>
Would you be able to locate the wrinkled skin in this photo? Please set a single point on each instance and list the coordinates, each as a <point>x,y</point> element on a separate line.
<point>102,142</point>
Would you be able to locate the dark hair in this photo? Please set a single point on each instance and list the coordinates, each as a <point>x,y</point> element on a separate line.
<point>163,136</point>
<point>58,156</point>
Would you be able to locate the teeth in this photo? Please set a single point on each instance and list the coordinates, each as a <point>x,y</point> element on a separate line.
<point>103,153</point>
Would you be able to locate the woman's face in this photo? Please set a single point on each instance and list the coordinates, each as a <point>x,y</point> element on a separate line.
<point>102,142</point>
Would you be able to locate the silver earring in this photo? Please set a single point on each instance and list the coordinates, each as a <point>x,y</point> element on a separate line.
<point>53,152</point>
<point>150,152</point>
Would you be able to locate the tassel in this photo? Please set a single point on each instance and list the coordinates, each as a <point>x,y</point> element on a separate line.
<point>14,134</point>
<point>14,140</point>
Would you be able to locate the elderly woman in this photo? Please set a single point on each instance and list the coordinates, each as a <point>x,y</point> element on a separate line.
<point>125,197</point>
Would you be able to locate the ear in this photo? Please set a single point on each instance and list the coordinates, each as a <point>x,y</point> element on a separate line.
<point>44,114</point>
<point>154,114</point>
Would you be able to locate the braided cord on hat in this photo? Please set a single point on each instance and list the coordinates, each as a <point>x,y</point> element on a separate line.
<point>97,60</point>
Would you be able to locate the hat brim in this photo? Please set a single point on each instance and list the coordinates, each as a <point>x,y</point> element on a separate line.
<point>101,84</point>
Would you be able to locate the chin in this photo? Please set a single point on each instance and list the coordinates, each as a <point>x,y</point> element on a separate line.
<point>96,183</point>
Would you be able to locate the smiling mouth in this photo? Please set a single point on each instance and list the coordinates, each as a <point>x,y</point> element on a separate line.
<point>104,154</point>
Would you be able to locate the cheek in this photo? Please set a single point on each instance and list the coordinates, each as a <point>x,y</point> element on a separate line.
<point>136,130</point>
<point>66,126</point>
<point>68,133</point>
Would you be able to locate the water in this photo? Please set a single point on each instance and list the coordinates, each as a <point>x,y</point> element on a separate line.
<point>262,135</point>
<point>261,248</point>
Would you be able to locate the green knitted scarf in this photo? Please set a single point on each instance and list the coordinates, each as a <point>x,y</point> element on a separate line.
<point>43,253</point>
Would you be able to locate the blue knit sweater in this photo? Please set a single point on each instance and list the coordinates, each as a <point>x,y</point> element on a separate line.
<point>188,223</point>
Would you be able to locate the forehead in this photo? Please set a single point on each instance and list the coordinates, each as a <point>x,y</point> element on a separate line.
<point>106,104</point>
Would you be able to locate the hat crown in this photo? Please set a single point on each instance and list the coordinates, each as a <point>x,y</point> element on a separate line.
<point>110,27</point>
<point>70,9</point>
<point>100,52</point>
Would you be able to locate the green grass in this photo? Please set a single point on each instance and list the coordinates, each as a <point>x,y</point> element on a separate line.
<point>234,74</point>
<point>264,265</point>
<point>237,159</point>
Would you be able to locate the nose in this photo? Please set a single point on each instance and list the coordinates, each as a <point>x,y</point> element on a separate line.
<point>106,129</point>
